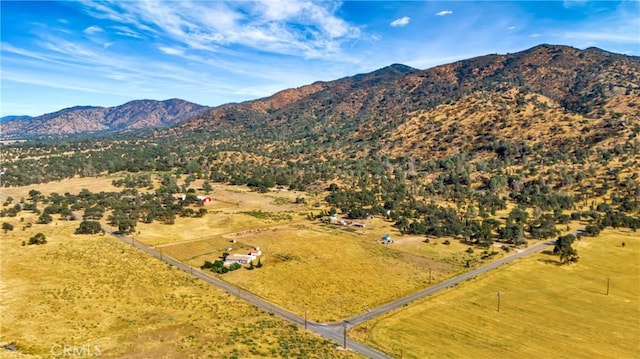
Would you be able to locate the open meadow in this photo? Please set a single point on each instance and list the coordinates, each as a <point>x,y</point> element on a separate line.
<point>327,271</point>
<point>73,185</point>
<point>95,295</point>
<point>545,310</point>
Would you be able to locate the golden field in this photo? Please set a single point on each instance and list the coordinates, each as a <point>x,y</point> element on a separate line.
<point>328,271</point>
<point>546,310</point>
<point>346,269</point>
<point>98,294</point>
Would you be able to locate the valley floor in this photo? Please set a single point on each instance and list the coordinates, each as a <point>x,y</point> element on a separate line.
<point>545,310</point>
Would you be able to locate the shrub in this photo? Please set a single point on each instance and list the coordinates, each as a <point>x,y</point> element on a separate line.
<point>38,239</point>
<point>234,266</point>
<point>592,230</point>
<point>45,218</point>
<point>6,226</point>
<point>89,227</point>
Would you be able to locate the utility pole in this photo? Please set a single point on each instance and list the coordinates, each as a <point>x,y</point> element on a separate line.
<point>430,276</point>
<point>498,294</point>
<point>305,316</point>
<point>607,286</point>
<point>344,334</point>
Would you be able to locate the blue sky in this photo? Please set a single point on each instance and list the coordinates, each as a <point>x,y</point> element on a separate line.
<point>105,53</point>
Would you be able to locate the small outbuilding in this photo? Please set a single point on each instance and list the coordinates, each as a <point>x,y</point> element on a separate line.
<point>204,199</point>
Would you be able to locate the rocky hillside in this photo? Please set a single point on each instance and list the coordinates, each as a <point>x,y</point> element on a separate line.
<point>551,94</point>
<point>137,114</point>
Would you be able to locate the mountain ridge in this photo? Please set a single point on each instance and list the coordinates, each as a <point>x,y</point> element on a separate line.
<point>549,95</point>
<point>136,114</point>
<point>545,69</point>
<point>579,81</point>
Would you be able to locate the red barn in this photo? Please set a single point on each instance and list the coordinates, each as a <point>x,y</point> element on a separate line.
<point>204,199</point>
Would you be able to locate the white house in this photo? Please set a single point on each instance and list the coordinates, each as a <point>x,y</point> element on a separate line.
<point>238,258</point>
<point>255,252</point>
<point>243,258</point>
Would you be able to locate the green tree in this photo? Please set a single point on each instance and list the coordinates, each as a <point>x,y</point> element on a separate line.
<point>206,187</point>
<point>89,227</point>
<point>568,255</point>
<point>45,218</point>
<point>38,239</point>
<point>6,226</point>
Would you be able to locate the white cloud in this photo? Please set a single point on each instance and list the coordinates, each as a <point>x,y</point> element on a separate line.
<point>403,21</point>
<point>125,31</point>
<point>285,27</point>
<point>171,50</point>
<point>444,13</point>
<point>534,35</point>
<point>511,28</point>
<point>93,29</point>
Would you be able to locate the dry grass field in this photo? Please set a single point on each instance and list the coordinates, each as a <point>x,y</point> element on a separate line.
<point>73,185</point>
<point>329,271</point>
<point>545,310</point>
<point>99,295</point>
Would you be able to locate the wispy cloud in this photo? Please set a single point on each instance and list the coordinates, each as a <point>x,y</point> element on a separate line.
<point>444,13</point>
<point>93,29</point>
<point>125,31</point>
<point>171,50</point>
<point>292,28</point>
<point>511,28</point>
<point>403,21</point>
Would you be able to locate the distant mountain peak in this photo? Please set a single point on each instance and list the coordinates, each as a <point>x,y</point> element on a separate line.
<point>401,68</point>
<point>393,69</point>
<point>14,117</point>
<point>136,114</point>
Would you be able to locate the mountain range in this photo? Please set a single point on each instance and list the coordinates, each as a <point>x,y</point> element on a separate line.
<point>543,91</point>
<point>139,114</point>
<point>550,94</point>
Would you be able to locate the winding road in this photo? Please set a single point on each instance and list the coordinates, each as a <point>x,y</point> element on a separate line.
<point>332,331</point>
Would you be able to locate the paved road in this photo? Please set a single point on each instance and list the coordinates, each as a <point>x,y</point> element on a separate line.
<point>332,331</point>
<point>360,318</point>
